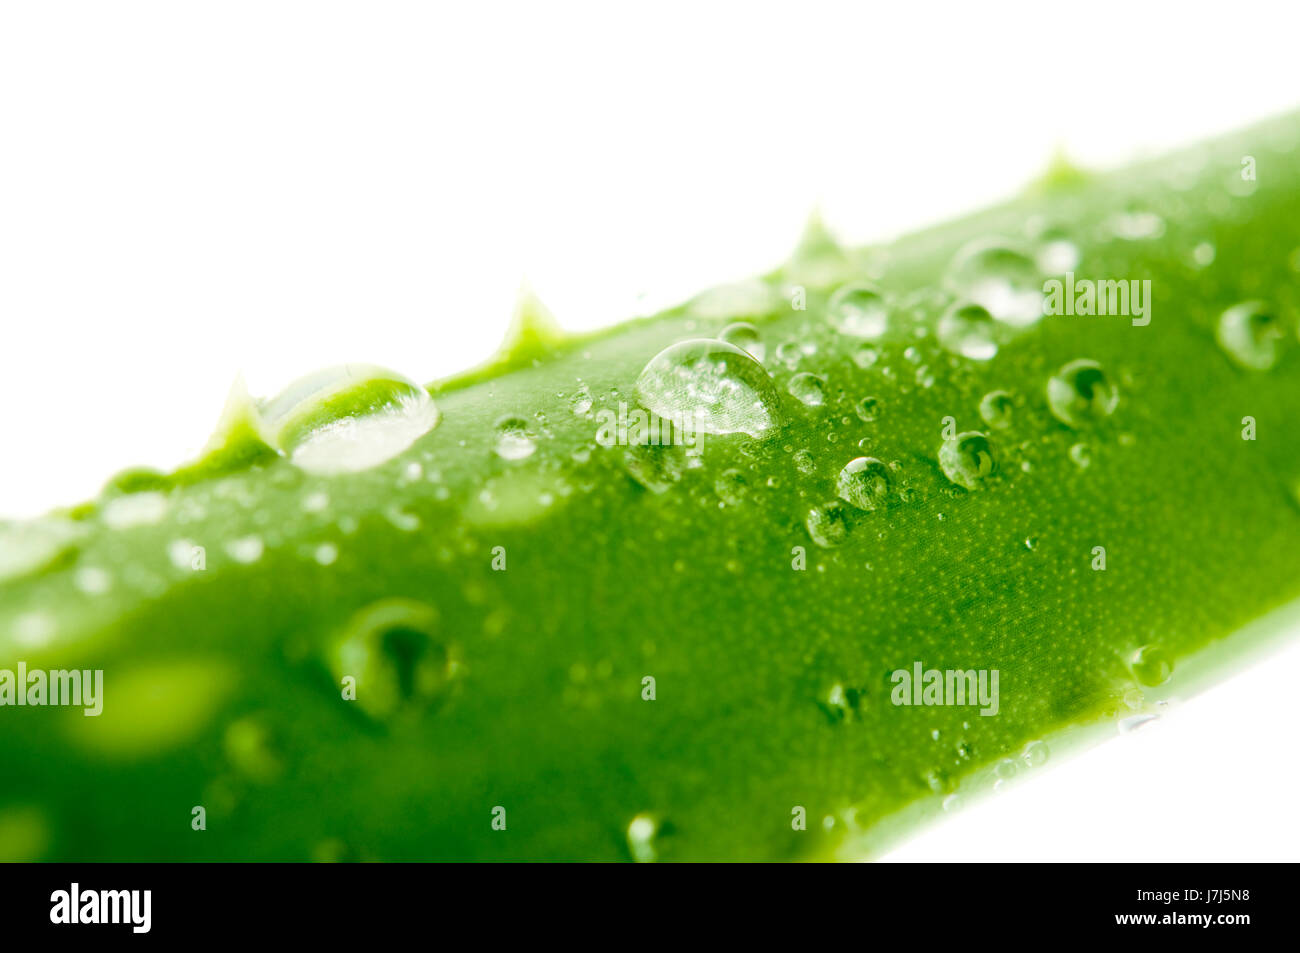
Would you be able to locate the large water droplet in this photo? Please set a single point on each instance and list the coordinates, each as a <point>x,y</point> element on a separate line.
<point>864,482</point>
<point>1080,393</point>
<point>967,459</point>
<point>745,336</point>
<point>711,386</point>
<point>348,418</point>
<point>828,524</point>
<point>859,311</point>
<point>969,330</point>
<point>399,663</point>
<point>1005,281</point>
<point>1251,335</point>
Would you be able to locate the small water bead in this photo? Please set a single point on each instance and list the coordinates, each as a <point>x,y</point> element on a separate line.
<point>804,462</point>
<point>969,330</point>
<point>326,554</point>
<point>581,401</point>
<point>867,409</point>
<point>1005,281</point>
<point>93,581</point>
<point>1203,255</point>
<point>808,389</point>
<point>184,554</point>
<point>790,354</point>
<point>1152,666</point>
<point>1031,543</point>
<point>1251,335</point>
<point>1081,454</point>
<point>745,336</point>
<point>641,833</point>
<point>247,549</point>
<point>712,386</point>
<point>731,487</point>
<point>828,524</point>
<point>348,418</point>
<point>1137,224</point>
<point>29,546</point>
<point>1006,769</point>
<point>1081,393</point>
<point>514,441</point>
<point>1056,256</point>
<point>135,509</point>
<point>864,482</point>
<point>1035,754</point>
<point>967,459</point>
<point>315,502</point>
<point>997,409</point>
<point>858,310</point>
<point>865,356</point>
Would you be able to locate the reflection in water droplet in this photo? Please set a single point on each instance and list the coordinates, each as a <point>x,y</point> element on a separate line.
<point>711,386</point>
<point>858,310</point>
<point>864,483</point>
<point>808,389</point>
<point>828,524</point>
<point>969,330</point>
<point>348,418</point>
<point>1003,280</point>
<point>967,459</point>
<point>1251,335</point>
<point>996,409</point>
<point>1152,666</point>
<point>745,336</point>
<point>1080,393</point>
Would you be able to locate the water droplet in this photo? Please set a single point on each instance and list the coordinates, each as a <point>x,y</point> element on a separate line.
<point>1251,335</point>
<point>967,459</point>
<point>1057,256</point>
<point>865,356</point>
<point>1003,280</point>
<point>1006,769</point>
<point>858,310</point>
<point>1152,666</point>
<point>32,545</point>
<point>1203,255</point>
<point>808,389</point>
<point>93,581</point>
<point>1031,543</point>
<point>326,554</point>
<point>181,552</point>
<point>1080,392</point>
<point>711,386</point>
<point>997,409</point>
<point>315,502</point>
<point>1136,224</point>
<point>804,461</point>
<point>581,401</point>
<point>1035,754</point>
<point>641,833</point>
<point>400,665</point>
<point>969,330</point>
<point>135,509</point>
<point>828,524</point>
<point>247,549</point>
<point>1081,454</point>
<point>864,483</point>
<point>348,418</point>
<point>745,336</point>
<point>867,409</point>
<point>731,487</point>
<point>514,442</point>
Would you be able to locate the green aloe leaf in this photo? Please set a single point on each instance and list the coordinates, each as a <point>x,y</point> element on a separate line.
<point>509,617</point>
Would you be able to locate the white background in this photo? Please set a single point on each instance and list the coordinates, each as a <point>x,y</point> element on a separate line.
<point>188,190</point>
